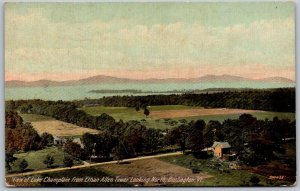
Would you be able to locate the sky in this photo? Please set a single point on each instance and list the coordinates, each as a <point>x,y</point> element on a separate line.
<point>66,41</point>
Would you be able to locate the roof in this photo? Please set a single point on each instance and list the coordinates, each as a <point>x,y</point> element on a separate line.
<point>78,141</point>
<point>221,144</point>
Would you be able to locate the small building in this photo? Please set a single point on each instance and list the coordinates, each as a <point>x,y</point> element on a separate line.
<point>59,141</point>
<point>221,148</point>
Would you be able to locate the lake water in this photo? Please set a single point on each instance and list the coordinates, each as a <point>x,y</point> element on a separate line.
<point>82,91</point>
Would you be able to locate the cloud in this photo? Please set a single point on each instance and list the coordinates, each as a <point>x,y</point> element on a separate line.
<point>35,44</point>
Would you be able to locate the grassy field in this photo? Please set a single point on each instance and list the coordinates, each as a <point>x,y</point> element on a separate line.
<point>34,117</point>
<point>168,116</point>
<point>228,177</point>
<point>129,113</point>
<point>35,158</point>
<point>55,127</point>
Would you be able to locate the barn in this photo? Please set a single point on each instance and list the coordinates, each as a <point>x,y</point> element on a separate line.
<point>221,148</point>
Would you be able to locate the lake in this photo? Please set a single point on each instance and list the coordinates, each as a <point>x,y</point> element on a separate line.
<point>82,91</point>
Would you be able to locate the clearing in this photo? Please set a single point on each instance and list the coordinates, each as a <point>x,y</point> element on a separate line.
<point>44,124</point>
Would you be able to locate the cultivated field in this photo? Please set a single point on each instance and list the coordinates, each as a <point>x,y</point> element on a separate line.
<point>129,113</point>
<point>168,116</point>
<point>153,168</point>
<point>60,128</point>
<point>197,112</point>
<point>44,124</point>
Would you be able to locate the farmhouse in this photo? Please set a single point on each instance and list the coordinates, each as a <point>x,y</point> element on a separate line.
<point>220,149</point>
<point>59,141</point>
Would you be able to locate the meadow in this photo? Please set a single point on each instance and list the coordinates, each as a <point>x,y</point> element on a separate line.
<point>35,159</point>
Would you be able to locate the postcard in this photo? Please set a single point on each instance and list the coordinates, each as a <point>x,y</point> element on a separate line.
<point>150,94</point>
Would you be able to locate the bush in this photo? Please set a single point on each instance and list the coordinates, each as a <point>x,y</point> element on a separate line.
<point>23,165</point>
<point>68,161</point>
<point>49,160</point>
<point>46,140</point>
<point>196,170</point>
<point>254,180</point>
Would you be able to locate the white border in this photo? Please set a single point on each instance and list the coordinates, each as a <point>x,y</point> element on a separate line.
<point>2,143</point>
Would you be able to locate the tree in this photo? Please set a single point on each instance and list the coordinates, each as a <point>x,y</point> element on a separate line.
<point>73,149</point>
<point>88,141</point>
<point>23,165</point>
<point>211,133</point>
<point>119,152</point>
<point>105,143</point>
<point>137,108</point>
<point>195,138</point>
<point>178,135</point>
<point>254,180</point>
<point>104,121</point>
<point>9,159</point>
<point>19,136</point>
<point>13,120</point>
<point>68,161</point>
<point>260,150</point>
<point>133,138</point>
<point>47,139</point>
<point>49,160</point>
<point>152,139</point>
<point>146,112</point>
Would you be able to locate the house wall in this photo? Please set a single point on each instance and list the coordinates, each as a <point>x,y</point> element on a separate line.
<point>218,151</point>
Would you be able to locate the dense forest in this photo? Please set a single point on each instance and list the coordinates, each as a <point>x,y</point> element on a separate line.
<point>282,100</point>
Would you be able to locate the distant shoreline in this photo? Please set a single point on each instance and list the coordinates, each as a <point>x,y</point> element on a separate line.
<point>191,91</point>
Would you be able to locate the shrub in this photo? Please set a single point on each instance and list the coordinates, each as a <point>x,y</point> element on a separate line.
<point>49,160</point>
<point>254,180</point>
<point>68,161</point>
<point>23,165</point>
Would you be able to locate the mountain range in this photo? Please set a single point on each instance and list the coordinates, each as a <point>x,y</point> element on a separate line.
<point>109,79</point>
